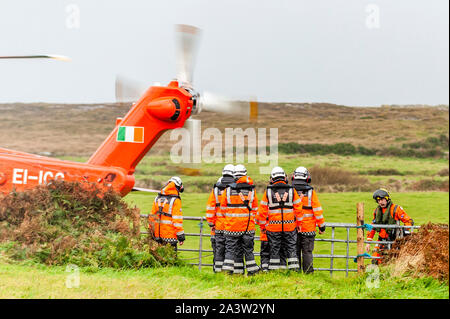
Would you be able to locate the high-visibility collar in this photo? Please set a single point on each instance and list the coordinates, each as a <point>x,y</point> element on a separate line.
<point>301,186</point>
<point>224,182</point>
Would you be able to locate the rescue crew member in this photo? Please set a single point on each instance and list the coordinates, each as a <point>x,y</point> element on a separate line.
<point>386,213</point>
<point>166,217</point>
<point>312,217</point>
<point>215,218</point>
<point>239,205</point>
<point>279,214</point>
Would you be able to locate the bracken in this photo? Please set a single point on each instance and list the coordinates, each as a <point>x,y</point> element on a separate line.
<point>69,222</point>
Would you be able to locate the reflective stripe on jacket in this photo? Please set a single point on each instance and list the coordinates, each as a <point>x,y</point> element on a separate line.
<point>280,208</point>
<point>166,217</point>
<point>312,213</point>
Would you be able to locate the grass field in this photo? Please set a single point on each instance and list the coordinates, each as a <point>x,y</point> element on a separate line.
<point>22,281</point>
<point>38,281</point>
<point>153,171</point>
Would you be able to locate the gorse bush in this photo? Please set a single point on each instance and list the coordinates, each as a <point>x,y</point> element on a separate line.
<point>66,222</point>
<point>432,147</point>
<point>323,149</point>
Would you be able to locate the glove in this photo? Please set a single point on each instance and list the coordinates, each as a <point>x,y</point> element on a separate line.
<point>181,238</point>
<point>322,229</point>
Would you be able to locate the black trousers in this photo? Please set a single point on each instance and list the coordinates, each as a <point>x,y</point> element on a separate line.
<point>305,247</point>
<point>236,249</point>
<point>283,247</point>
<point>219,251</point>
<point>213,246</point>
<point>265,255</point>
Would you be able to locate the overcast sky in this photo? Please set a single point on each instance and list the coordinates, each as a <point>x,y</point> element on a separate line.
<point>351,52</point>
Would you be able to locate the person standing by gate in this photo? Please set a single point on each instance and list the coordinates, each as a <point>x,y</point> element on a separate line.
<point>312,217</point>
<point>239,205</point>
<point>386,213</point>
<point>166,218</point>
<point>279,214</point>
<point>215,218</point>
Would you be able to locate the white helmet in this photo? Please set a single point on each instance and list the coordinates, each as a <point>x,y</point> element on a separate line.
<point>228,170</point>
<point>301,173</point>
<point>239,171</point>
<point>277,174</point>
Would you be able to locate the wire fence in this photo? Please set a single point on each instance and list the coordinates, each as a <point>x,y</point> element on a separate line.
<point>350,259</point>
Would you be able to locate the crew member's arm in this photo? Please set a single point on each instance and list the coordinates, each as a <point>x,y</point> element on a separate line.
<point>371,233</point>
<point>298,207</point>
<point>402,216</point>
<point>254,205</point>
<point>177,220</point>
<point>318,212</point>
<point>223,202</point>
<point>211,210</point>
<point>152,213</point>
<point>263,211</point>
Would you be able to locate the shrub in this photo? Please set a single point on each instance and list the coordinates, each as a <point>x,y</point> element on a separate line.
<point>335,176</point>
<point>443,172</point>
<point>431,147</point>
<point>383,172</point>
<point>67,222</point>
<point>430,185</point>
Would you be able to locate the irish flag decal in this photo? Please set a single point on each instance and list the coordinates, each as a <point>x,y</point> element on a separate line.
<point>130,134</point>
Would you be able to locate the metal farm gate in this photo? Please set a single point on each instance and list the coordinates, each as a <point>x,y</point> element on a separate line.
<point>343,229</point>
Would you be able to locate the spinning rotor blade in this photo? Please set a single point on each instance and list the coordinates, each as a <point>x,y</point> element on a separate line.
<point>215,103</point>
<point>187,41</point>
<point>128,90</point>
<point>44,56</point>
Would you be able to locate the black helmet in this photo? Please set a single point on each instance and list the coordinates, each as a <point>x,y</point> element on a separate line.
<point>381,193</point>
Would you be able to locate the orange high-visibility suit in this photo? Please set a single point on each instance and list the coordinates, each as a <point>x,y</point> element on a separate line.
<point>216,220</point>
<point>396,214</point>
<point>166,217</point>
<point>279,214</point>
<point>239,205</point>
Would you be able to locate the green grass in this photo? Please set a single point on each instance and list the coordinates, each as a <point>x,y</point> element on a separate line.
<point>35,281</point>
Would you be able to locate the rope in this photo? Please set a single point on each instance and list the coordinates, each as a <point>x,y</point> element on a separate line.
<point>367,227</point>
<point>361,255</point>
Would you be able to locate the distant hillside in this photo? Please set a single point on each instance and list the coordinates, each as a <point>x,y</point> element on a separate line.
<point>75,129</point>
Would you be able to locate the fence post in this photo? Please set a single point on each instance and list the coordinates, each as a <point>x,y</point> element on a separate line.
<point>360,236</point>
<point>347,252</point>
<point>200,245</point>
